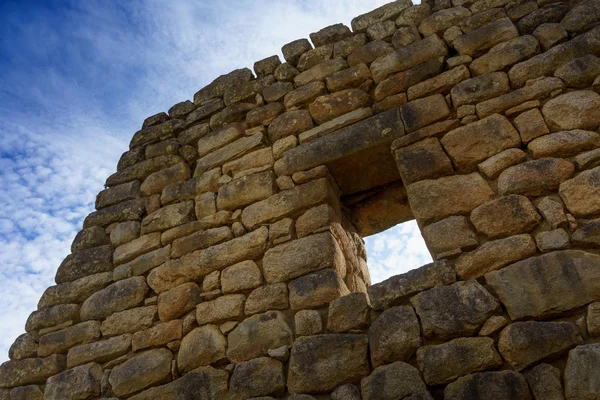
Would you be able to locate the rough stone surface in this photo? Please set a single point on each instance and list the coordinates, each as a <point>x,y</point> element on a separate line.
<point>99,352</point>
<point>581,194</point>
<point>450,236</point>
<point>141,371</point>
<point>383,383</point>
<point>81,382</point>
<point>574,110</point>
<point>545,382</point>
<point>394,336</point>
<point>534,177</point>
<point>505,216</point>
<point>202,346</point>
<point>502,385</point>
<point>316,289</point>
<point>422,160</point>
<point>581,379</point>
<point>116,297</point>
<point>30,370</point>
<point>258,377</point>
<point>348,312</point>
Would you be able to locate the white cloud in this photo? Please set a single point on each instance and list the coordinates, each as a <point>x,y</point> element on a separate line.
<point>77,82</point>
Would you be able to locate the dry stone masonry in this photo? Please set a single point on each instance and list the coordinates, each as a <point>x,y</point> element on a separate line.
<point>225,257</point>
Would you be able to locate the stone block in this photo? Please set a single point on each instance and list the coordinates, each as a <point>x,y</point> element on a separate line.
<point>259,377</point>
<point>142,264</point>
<point>525,343</point>
<point>348,312</point>
<point>369,52</point>
<point>433,200</point>
<point>118,194</point>
<point>588,235</point>
<point>263,115</point>
<point>386,12</point>
<point>394,336</point>
<point>322,362</point>
<point>141,371</point>
<point>330,34</point>
<point>175,303</point>
<point>348,78</point>
<point>290,123</point>
<point>31,392</point>
<point>494,255</point>
<point>550,34</point>
<point>52,316</point>
<point>277,91</point>
<point>125,232</point>
<point>218,87</point>
<point>381,30</point>
<point>327,107</point>
<point>401,81</point>
<point>316,289</point>
<point>314,57</point>
<point>581,380</point>
<point>593,319</point>
<point>233,150</point>
<point>450,236</point>
<point>545,382</point>
<point>581,194</point>
<point>574,110</point>
<point>445,312</point>
<point>533,178</point>
<point>494,165</point>
<point>188,190</point>
<point>158,335</point>
<point>241,276</point>
<point>293,50</point>
<point>23,347</point>
<point>307,323</point>
<point>168,217</point>
<point>220,310</point>
<point>441,83</point>
<point>268,297</point>
<point>391,291</point>
<point>444,363</point>
<point>422,160</point>
<point>254,336</point>
<point>531,288</point>
<point>88,238</point>
<point>200,240</point>
<point>557,239</point>
<point>116,297</point>
<point>202,346</point>
<point>138,172</point>
<point>315,74</point>
<point>383,383</point>
<point>422,112</point>
<point>246,190</point>
<point>581,72</point>
<point>441,20</point>
<point>30,370</point>
<point>480,88</point>
<point>137,247</point>
<point>61,341</point>
<point>502,385</point>
<point>505,216</point>
<point>564,144</point>
<point>128,321</point>
<point>84,263</point>
<point>157,181</point>
<point>99,352</point>
<point>81,382</point>
<point>531,125</point>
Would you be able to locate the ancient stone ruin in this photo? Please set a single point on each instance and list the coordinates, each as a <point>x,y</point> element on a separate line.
<point>225,258</point>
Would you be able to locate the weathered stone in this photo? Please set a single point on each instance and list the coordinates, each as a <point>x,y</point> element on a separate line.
<point>433,200</point>
<point>450,311</point>
<point>537,90</point>
<point>139,171</point>
<point>546,63</point>
<point>137,247</point>
<point>394,336</point>
<point>336,124</point>
<point>268,297</point>
<point>316,289</point>
<point>277,90</point>
<point>258,377</point>
<point>588,235</point>
<point>143,370</point>
<point>386,12</point>
<point>88,238</point>
<point>128,321</point>
<point>480,88</point>
<point>83,263</point>
<point>221,309</point>
<point>246,91</point>
<point>31,392</point>
<point>205,383</point>
<point>404,36</point>
<point>99,352</point>
<point>493,325</point>
<point>156,182</point>
<point>235,149</point>
<point>254,336</point>
<point>125,232</point>
<point>307,323</point>
<point>413,16</point>
<point>553,212</point>
<point>550,34</point>
<point>369,52</point>
<point>530,289</point>
<point>202,346</point>
<point>531,125</point>
<point>525,343</point>
<point>381,30</point>
<point>188,190</point>
<point>494,255</point>
<point>389,292</point>
<point>581,379</point>
<point>441,20</point>
<point>330,34</point>
<point>168,217</point>
<point>328,107</point>
<point>581,194</point>
<point>450,236</point>
<point>314,57</point>
<point>348,78</point>
<point>241,276</point>
<point>408,57</point>
<point>383,383</point>
<point>286,73</point>
<point>52,316</point>
<point>588,159</point>
<point>346,392</point>
<point>502,385</point>
<point>422,112</point>
<point>218,87</point>
<point>178,301</point>
<point>322,362</point>
<point>534,177</point>
<point>181,110</point>
<point>81,382</point>
<point>313,75</point>
<point>348,312</point>
<point>593,319</point>
<point>293,50</point>
<point>142,264</point>
<point>290,123</point>
<point>24,346</point>
<point>116,297</point>
<point>441,83</point>
<point>574,110</point>
<point>545,383</point>
<point>30,370</point>
<point>445,362</point>
<point>505,216</point>
<point>245,190</point>
<point>129,158</point>
<point>63,340</point>
<point>200,240</point>
<point>580,72</point>
<point>549,14</point>
<point>557,239</point>
<point>263,115</point>
<point>505,54</point>
<point>194,266</point>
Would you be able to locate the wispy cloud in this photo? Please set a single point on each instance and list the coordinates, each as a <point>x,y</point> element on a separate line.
<point>76,81</point>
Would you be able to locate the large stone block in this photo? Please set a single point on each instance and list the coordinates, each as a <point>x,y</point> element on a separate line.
<point>505,54</point>
<point>157,335</point>
<point>401,81</point>
<point>502,385</point>
<point>218,87</point>
<point>131,210</point>
<point>194,266</point>
<point>450,236</point>
<point>582,193</point>
<point>328,107</point>
<point>299,257</point>
<point>128,321</point>
<point>525,343</point>
<point>99,352</point>
<point>542,286</point>
<point>52,316</point>
<point>137,247</point>
<point>259,377</point>
<point>441,20</point>
<point>88,238</point>
<point>422,112</point>
<point>433,200</point>
<point>268,297</point>
<point>233,150</point>
<point>394,336</point>
<point>246,190</point>
<point>202,346</point>
<point>384,382</point>
<point>573,110</point>
<point>442,83</point>
<point>30,370</point>
<point>62,340</point>
<point>564,144</point>
<point>81,382</point>
<point>254,336</point>
<point>322,362</point>
<point>480,88</point>
<point>86,262</point>
<point>316,289</point>
<point>478,41</point>
<point>532,178</point>
<point>422,160</point>
<point>142,170</point>
<point>386,12</point>
<point>142,264</point>
<point>348,312</point>
<point>494,255</point>
<point>444,363</point>
<point>229,307</point>
<point>168,217</point>
<point>469,145</point>
<point>457,310</point>
<point>505,216</point>
<point>545,382</point>
<point>156,182</point>
<point>581,373</point>
<point>143,370</point>
<point>116,297</point>
<point>393,290</point>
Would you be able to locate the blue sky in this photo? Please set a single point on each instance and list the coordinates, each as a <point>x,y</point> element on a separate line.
<point>77,78</point>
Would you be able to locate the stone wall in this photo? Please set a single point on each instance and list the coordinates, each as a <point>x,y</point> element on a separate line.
<point>225,258</point>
